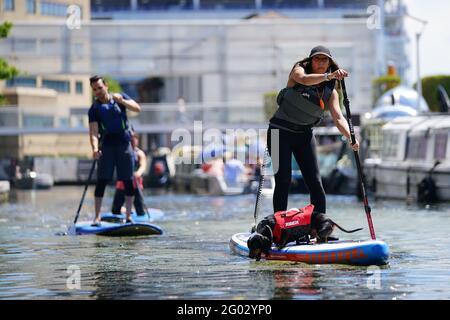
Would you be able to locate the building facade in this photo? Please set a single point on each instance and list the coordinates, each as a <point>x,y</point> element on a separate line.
<point>162,51</point>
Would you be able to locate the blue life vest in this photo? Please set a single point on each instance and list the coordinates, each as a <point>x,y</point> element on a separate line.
<point>112,122</point>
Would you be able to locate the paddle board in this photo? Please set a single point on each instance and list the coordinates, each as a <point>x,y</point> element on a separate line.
<point>368,252</point>
<point>154,215</point>
<point>117,229</point>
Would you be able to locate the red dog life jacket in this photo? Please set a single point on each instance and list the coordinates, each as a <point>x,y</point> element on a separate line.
<point>292,224</point>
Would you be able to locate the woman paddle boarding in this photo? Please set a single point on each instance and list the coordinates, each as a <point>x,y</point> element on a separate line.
<point>310,90</point>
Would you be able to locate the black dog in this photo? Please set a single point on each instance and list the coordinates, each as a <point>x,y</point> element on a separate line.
<point>320,228</point>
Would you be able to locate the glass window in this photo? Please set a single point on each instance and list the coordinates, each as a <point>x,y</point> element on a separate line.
<point>53,9</point>
<point>50,47</point>
<point>79,87</point>
<point>78,49</point>
<point>63,122</point>
<point>22,82</point>
<point>440,145</point>
<point>25,45</point>
<point>227,4</point>
<point>417,147</point>
<point>58,85</point>
<point>31,6</point>
<point>8,5</point>
<point>35,121</point>
<point>349,4</point>
<point>107,5</point>
<point>165,4</point>
<point>274,4</point>
<point>390,145</point>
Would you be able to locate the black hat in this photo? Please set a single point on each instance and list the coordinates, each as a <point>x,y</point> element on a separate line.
<point>320,50</point>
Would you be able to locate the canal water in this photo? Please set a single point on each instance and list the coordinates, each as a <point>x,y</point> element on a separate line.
<point>192,260</point>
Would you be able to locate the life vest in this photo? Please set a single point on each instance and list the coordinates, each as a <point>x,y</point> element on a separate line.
<point>303,105</point>
<point>113,121</point>
<point>292,224</point>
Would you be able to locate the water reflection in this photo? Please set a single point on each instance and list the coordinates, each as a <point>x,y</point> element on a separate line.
<point>192,260</point>
<point>296,284</point>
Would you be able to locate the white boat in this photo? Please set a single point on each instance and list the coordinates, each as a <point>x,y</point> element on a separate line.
<point>415,159</point>
<point>4,190</point>
<point>33,180</point>
<point>205,184</point>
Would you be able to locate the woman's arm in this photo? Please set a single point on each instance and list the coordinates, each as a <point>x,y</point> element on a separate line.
<point>142,163</point>
<point>298,75</point>
<point>338,118</point>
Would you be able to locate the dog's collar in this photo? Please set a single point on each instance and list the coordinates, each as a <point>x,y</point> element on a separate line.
<point>270,232</point>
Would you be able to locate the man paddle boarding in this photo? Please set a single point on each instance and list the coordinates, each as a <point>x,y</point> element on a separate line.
<point>108,123</point>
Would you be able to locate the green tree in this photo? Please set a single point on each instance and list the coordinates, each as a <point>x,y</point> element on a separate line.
<point>6,71</point>
<point>429,89</point>
<point>383,84</point>
<point>113,85</point>
<point>270,104</point>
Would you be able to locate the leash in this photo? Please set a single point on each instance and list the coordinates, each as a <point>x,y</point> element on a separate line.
<point>261,183</point>
<point>358,161</point>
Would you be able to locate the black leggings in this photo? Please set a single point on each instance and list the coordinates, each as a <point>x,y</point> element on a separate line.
<point>119,199</point>
<point>303,146</point>
<point>100,187</point>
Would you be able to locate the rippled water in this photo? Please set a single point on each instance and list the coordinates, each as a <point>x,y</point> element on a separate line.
<point>193,261</point>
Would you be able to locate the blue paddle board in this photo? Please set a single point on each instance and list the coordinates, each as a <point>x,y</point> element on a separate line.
<point>117,229</point>
<point>154,215</point>
<point>369,252</point>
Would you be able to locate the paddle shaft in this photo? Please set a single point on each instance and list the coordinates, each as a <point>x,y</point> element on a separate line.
<point>85,190</point>
<point>260,185</point>
<point>358,161</point>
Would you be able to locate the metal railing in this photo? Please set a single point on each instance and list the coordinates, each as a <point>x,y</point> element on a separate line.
<point>154,118</point>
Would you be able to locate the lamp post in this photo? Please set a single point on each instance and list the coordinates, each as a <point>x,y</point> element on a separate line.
<point>419,81</point>
<point>418,35</point>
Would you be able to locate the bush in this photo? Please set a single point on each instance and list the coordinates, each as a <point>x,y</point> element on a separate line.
<point>429,89</point>
<point>6,71</point>
<point>383,84</point>
<point>113,85</point>
<point>270,104</point>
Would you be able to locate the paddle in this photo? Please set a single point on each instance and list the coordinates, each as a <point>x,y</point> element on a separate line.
<point>358,162</point>
<point>261,183</point>
<point>72,227</point>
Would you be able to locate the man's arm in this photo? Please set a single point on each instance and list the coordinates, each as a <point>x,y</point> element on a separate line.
<point>130,104</point>
<point>93,137</point>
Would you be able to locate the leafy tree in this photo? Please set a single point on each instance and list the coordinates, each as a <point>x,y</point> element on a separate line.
<point>113,85</point>
<point>383,84</point>
<point>6,71</point>
<point>429,89</point>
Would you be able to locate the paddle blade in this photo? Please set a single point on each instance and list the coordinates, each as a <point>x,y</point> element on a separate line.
<point>72,230</point>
